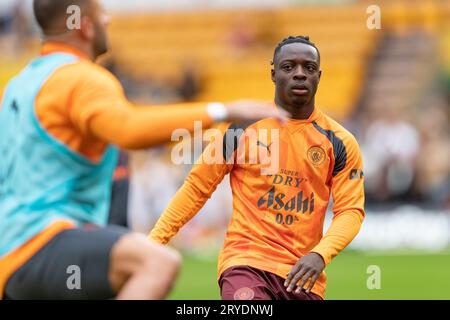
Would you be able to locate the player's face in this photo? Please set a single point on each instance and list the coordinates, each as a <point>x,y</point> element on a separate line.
<point>296,74</point>
<point>101,21</point>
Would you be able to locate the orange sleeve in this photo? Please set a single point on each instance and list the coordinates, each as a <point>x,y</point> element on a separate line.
<point>348,208</point>
<point>196,190</point>
<point>99,108</point>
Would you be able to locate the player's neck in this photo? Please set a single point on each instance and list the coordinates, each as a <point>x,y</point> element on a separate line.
<point>302,112</point>
<point>83,47</point>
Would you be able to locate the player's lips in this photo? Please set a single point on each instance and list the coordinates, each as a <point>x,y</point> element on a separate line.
<point>300,90</point>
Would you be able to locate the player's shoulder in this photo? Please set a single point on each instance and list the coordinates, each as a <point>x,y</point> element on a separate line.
<point>88,73</point>
<point>252,125</point>
<point>266,123</point>
<point>328,124</point>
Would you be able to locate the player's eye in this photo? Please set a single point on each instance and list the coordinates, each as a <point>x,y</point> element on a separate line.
<point>311,68</point>
<point>286,67</point>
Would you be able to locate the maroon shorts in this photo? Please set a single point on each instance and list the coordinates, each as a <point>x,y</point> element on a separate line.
<point>247,283</point>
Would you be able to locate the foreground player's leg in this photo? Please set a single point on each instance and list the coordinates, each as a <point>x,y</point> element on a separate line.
<point>141,269</point>
<point>96,263</point>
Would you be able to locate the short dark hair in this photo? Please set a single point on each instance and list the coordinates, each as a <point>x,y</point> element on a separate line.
<point>51,14</point>
<point>294,39</point>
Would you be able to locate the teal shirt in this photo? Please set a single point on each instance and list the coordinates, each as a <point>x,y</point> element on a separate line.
<point>41,179</point>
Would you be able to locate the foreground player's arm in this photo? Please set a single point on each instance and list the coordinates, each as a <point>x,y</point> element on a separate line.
<point>190,198</point>
<point>348,213</point>
<point>100,109</point>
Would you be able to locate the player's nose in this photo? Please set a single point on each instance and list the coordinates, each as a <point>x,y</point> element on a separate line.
<point>299,74</point>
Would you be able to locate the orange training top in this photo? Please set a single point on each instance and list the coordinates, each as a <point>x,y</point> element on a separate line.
<point>278,218</point>
<point>83,106</point>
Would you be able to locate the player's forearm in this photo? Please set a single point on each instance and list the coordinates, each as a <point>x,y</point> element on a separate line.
<point>201,182</point>
<point>342,231</point>
<point>183,207</point>
<point>136,128</point>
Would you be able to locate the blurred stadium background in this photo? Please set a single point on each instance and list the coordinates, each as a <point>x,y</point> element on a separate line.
<point>389,87</point>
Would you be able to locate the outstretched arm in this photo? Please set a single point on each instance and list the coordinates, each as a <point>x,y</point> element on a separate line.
<point>100,109</point>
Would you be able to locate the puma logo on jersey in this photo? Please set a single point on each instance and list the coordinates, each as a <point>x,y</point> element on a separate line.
<point>259,143</point>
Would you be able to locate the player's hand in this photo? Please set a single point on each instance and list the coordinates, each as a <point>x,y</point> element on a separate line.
<point>307,268</point>
<point>248,110</point>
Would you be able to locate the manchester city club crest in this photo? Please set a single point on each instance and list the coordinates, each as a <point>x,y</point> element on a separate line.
<point>316,155</point>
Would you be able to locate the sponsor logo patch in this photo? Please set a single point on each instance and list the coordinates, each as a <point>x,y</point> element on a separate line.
<point>356,174</point>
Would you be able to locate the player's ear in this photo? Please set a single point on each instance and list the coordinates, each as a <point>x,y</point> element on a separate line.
<point>87,29</point>
<point>272,70</point>
<point>320,74</point>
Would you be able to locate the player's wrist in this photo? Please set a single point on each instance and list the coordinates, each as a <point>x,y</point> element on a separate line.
<point>217,111</point>
<point>321,256</point>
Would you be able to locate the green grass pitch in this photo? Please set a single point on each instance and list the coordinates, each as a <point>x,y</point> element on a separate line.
<point>403,276</point>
